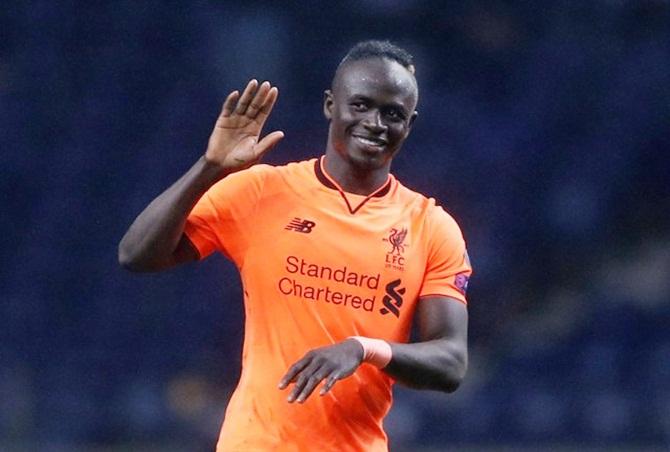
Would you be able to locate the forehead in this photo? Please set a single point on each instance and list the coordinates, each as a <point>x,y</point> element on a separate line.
<point>375,77</point>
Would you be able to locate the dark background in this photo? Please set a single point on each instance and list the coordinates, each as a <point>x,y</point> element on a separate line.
<point>543,129</point>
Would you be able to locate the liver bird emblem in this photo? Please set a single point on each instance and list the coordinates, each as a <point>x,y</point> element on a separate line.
<point>397,238</point>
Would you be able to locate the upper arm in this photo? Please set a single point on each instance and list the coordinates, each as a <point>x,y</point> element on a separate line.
<point>439,359</point>
<point>440,317</point>
<point>448,267</point>
<point>223,218</point>
<point>185,252</point>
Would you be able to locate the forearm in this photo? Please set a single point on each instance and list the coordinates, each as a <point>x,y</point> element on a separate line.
<point>151,241</point>
<point>437,364</point>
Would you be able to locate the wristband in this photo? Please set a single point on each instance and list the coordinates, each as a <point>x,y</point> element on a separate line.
<point>375,351</point>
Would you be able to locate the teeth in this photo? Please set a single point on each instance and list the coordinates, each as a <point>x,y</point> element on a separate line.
<point>369,142</point>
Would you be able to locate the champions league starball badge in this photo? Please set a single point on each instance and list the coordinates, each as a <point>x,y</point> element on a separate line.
<point>461,282</point>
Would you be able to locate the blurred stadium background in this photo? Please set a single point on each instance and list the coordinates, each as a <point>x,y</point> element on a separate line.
<point>544,128</point>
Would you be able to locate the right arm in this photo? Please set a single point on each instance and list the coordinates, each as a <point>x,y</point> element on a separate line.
<point>156,241</point>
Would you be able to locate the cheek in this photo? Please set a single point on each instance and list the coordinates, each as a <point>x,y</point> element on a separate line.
<point>346,117</point>
<point>398,132</point>
<point>345,122</point>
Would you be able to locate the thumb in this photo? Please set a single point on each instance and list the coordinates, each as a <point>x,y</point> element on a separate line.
<point>267,143</point>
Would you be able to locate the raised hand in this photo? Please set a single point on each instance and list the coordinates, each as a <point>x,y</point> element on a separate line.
<point>234,143</point>
<point>331,363</point>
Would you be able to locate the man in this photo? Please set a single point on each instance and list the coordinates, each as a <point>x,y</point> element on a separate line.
<point>337,259</point>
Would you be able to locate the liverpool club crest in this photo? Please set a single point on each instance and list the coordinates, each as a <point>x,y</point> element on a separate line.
<point>395,256</point>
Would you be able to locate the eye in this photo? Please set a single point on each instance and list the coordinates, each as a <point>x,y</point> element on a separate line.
<point>359,105</point>
<point>395,113</point>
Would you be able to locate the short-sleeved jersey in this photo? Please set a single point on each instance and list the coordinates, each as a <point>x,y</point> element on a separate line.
<point>319,265</point>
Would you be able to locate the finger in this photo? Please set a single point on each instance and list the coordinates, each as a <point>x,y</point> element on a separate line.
<point>306,382</point>
<point>311,384</point>
<point>268,103</point>
<point>333,378</point>
<point>293,372</point>
<point>267,143</point>
<point>246,97</point>
<point>258,100</point>
<point>229,103</point>
<point>301,380</point>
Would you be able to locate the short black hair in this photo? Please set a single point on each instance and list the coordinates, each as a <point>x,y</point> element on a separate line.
<point>379,49</point>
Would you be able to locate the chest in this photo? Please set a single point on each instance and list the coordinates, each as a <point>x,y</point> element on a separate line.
<point>343,272</point>
<point>385,241</point>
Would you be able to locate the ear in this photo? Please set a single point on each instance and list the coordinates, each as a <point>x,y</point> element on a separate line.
<point>412,119</point>
<point>328,104</point>
<point>410,123</point>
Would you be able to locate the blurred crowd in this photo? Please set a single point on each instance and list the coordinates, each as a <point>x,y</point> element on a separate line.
<point>544,129</point>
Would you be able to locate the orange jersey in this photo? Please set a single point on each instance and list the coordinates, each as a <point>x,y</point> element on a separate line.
<point>319,265</point>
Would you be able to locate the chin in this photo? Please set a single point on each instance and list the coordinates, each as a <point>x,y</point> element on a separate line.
<point>366,158</point>
<point>367,162</point>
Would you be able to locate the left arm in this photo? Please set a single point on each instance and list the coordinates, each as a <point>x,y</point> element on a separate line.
<point>438,361</point>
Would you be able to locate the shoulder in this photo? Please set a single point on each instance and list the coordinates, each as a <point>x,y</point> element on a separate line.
<point>261,174</point>
<point>291,169</point>
<point>301,167</point>
<point>436,217</point>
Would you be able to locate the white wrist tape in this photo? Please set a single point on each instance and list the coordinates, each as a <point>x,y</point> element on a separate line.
<point>375,351</point>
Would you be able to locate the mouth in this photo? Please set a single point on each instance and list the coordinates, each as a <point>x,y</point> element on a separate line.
<point>368,141</point>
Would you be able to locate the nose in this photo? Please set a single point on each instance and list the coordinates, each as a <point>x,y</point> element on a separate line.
<point>373,122</point>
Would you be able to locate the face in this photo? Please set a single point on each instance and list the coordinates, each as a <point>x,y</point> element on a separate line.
<point>371,109</point>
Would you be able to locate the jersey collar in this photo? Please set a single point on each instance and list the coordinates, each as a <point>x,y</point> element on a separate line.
<point>328,181</point>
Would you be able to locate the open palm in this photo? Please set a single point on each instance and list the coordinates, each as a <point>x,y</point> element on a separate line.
<point>234,143</point>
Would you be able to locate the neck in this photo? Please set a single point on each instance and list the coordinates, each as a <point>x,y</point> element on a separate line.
<point>354,179</point>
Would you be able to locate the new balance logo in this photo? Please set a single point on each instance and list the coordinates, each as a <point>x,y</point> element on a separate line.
<point>393,298</point>
<point>300,225</point>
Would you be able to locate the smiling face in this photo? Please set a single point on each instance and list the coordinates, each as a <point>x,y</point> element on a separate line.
<point>371,109</point>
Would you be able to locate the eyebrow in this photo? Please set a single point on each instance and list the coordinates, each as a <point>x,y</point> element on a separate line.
<point>397,105</point>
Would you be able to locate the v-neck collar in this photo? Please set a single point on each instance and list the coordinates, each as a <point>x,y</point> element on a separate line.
<point>327,180</point>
